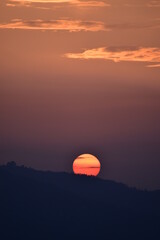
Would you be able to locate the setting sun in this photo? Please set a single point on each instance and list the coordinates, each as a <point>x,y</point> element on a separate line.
<point>86,164</point>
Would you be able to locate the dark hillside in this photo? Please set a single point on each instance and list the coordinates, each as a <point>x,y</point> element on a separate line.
<point>46,205</point>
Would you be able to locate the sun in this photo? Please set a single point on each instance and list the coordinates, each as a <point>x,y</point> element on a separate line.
<point>86,164</point>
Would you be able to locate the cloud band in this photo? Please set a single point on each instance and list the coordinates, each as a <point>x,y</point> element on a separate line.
<point>148,55</point>
<point>55,25</point>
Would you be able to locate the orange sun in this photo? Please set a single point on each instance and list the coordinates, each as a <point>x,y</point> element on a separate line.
<point>86,164</point>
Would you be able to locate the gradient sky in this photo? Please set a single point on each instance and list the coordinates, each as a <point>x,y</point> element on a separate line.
<point>82,77</point>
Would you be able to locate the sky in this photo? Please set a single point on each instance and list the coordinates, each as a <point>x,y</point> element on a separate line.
<point>82,77</point>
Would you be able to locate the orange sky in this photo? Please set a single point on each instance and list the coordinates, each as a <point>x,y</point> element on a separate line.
<point>81,76</point>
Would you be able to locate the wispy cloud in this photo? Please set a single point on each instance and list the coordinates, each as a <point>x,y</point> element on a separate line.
<point>55,25</point>
<point>154,66</point>
<point>76,25</point>
<point>86,3</point>
<point>77,3</point>
<point>155,3</point>
<point>152,24</point>
<point>128,54</point>
<point>137,3</point>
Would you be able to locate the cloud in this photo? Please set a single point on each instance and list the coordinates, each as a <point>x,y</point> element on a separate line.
<point>137,3</point>
<point>55,25</point>
<point>154,66</point>
<point>127,54</point>
<point>75,25</point>
<point>152,24</point>
<point>77,3</point>
<point>82,3</point>
<point>155,3</point>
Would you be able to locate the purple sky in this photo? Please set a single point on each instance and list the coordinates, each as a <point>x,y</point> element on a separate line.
<point>82,77</point>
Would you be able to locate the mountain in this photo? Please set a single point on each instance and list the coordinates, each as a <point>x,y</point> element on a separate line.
<point>48,205</point>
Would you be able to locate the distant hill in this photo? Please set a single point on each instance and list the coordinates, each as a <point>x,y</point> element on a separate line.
<point>47,205</point>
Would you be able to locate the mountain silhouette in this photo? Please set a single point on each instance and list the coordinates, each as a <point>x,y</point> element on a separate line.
<point>48,205</point>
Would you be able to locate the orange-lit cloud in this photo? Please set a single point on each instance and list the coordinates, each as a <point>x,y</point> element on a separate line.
<point>55,25</point>
<point>154,3</point>
<point>74,25</point>
<point>77,3</point>
<point>154,66</point>
<point>148,55</point>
